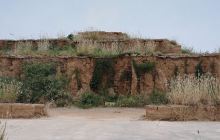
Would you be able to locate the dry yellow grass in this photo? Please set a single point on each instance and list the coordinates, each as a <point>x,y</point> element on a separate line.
<point>189,90</point>
<point>9,90</point>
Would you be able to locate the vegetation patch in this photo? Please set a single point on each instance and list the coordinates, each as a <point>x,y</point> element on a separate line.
<point>70,36</point>
<point>186,50</point>
<point>40,83</point>
<point>10,89</point>
<point>176,71</point>
<point>186,66</point>
<point>89,99</point>
<point>131,101</point>
<point>199,71</point>
<point>103,67</point>
<point>191,90</point>
<point>67,50</point>
<point>143,68</point>
<point>158,97</point>
<point>64,99</point>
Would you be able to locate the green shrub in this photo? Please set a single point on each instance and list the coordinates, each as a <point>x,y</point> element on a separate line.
<point>70,36</point>
<point>103,67</point>
<point>40,83</point>
<point>186,50</point>
<point>109,96</point>
<point>131,101</point>
<point>143,68</point>
<point>158,98</point>
<point>9,90</point>
<point>89,99</point>
<point>176,71</point>
<point>63,99</point>
<point>5,50</point>
<point>199,71</point>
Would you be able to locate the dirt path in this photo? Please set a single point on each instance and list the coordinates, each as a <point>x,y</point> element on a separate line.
<point>106,124</point>
<point>98,113</point>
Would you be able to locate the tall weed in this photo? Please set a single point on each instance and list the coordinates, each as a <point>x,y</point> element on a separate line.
<point>190,90</point>
<point>9,90</point>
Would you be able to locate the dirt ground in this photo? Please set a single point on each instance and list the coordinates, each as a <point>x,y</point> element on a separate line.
<point>107,124</point>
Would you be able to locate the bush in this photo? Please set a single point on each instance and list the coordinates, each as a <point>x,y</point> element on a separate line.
<point>131,101</point>
<point>158,98</point>
<point>70,36</point>
<point>143,68</point>
<point>186,50</point>
<point>63,99</point>
<point>40,83</point>
<point>103,67</point>
<point>9,90</point>
<point>89,99</point>
<point>198,70</point>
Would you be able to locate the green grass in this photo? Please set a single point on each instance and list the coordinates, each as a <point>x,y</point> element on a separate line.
<point>131,101</point>
<point>158,97</point>
<point>88,100</point>
<point>143,68</point>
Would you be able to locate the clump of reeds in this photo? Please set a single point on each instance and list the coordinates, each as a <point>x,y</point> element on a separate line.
<point>43,45</point>
<point>191,90</point>
<point>24,47</point>
<point>9,90</point>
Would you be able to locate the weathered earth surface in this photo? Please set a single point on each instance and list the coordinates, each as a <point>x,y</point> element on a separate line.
<point>106,124</point>
<point>125,80</point>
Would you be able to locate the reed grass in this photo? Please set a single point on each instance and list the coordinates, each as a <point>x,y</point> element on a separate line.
<point>9,90</point>
<point>189,90</point>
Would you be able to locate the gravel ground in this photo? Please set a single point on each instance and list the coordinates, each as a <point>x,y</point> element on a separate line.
<point>107,124</point>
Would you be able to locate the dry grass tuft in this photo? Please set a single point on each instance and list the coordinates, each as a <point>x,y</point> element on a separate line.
<point>101,35</point>
<point>25,47</point>
<point>189,90</point>
<point>43,45</point>
<point>9,90</point>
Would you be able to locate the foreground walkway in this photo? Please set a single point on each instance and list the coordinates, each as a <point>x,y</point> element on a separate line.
<point>107,124</point>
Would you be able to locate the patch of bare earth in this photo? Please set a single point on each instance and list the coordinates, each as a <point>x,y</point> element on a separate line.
<point>98,113</point>
<point>106,124</point>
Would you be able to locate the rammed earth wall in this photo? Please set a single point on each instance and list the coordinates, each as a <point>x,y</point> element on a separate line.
<point>125,79</point>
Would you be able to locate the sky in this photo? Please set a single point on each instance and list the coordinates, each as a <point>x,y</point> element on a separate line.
<point>192,23</point>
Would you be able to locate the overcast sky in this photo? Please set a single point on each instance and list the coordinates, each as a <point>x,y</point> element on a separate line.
<point>193,23</point>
